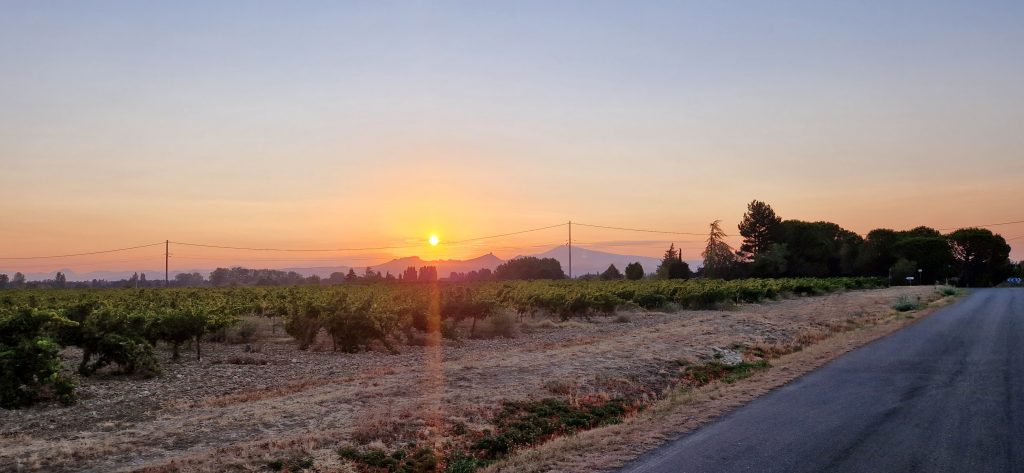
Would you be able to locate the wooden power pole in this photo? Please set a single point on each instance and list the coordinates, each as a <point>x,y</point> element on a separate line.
<point>570,249</point>
<point>167,264</point>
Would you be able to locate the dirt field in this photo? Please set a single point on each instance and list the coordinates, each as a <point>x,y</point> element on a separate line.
<point>237,410</point>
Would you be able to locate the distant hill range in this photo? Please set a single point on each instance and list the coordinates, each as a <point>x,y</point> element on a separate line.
<point>584,261</point>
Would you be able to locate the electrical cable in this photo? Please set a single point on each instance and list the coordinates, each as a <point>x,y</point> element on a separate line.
<point>80,254</point>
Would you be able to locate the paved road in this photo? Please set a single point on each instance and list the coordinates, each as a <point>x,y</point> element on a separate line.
<point>945,394</point>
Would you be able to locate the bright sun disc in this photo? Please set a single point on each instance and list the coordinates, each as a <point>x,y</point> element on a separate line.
<point>434,240</point>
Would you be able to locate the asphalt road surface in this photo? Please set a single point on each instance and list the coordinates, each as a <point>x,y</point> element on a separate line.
<point>945,394</point>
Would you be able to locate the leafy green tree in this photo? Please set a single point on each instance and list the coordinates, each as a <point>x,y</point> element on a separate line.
<point>60,280</point>
<point>719,258</point>
<point>529,268</point>
<point>820,249</point>
<point>611,274</point>
<point>902,270</point>
<point>771,263</point>
<point>18,280</point>
<point>672,265</point>
<point>29,359</point>
<point>981,257</point>
<point>931,253</point>
<point>759,229</point>
<point>4,281</point>
<point>351,276</point>
<point>634,271</point>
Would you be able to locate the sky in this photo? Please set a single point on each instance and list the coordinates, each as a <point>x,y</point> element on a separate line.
<point>326,124</point>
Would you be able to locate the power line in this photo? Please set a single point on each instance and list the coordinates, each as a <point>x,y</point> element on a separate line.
<point>982,226</point>
<point>80,254</point>
<point>224,247</point>
<point>644,230</point>
<point>506,234</point>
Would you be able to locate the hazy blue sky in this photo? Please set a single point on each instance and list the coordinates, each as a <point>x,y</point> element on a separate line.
<point>326,123</point>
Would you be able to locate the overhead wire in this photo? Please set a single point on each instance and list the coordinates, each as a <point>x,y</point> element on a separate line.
<point>80,254</point>
<point>455,242</point>
<point>982,226</point>
<point>643,230</point>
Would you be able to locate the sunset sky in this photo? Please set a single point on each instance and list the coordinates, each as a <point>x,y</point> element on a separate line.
<point>370,124</point>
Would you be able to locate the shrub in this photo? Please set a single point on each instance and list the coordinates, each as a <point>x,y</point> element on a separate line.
<point>503,325</point>
<point>291,464</point>
<point>29,361</point>
<point>118,336</point>
<point>421,460</point>
<point>530,422</point>
<point>905,304</point>
<point>245,332</point>
<point>717,371</point>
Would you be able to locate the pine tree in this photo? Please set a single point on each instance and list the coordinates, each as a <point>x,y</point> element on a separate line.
<point>759,229</point>
<point>612,273</point>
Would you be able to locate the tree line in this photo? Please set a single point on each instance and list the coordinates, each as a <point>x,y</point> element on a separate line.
<point>773,248</point>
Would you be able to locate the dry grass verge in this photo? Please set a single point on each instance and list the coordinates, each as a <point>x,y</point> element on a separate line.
<point>686,408</point>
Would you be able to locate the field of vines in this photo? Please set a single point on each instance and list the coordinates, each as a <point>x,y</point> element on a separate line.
<point>119,329</point>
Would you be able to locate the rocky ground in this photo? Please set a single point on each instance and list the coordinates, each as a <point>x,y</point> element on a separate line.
<point>236,408</point>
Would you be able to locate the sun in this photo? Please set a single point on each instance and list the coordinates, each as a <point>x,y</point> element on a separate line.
<point>434,240</point>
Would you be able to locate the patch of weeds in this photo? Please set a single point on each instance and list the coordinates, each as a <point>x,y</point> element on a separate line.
<point>623,319</point>
<point>905,304</point>
<point>291,464</point>
<point>948,291</point>
<point>527,423</point>
<point>715,371</point>
<point>461,462</point>
<point>421,460</point>
<point>769,351</point>
<point>561,386</point>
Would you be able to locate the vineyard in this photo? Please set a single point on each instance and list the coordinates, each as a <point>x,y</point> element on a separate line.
<point>119,329</point>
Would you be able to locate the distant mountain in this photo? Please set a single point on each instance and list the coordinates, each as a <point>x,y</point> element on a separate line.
<point>444,267</point>
<point>586,261</point>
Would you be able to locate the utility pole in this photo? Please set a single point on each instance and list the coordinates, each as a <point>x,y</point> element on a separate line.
<point>570,249</point>
<point>167,264</point>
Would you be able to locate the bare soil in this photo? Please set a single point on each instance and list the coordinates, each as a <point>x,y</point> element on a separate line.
<point>236,410</point>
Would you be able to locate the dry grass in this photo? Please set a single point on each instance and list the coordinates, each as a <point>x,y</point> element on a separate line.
<point>236,417</point>
<point>685,408</point>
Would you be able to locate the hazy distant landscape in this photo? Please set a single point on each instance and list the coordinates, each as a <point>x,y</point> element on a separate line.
<point>456,237</point>
<point>584,261</point>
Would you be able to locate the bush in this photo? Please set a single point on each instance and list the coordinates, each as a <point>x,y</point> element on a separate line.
<point>30,368</point>
<point>717,371</point>
<point>530,422</point>
<point>421,460</point>
<point>905,304</point>
<point>114,336</point>
<point>502,325</point>
<point>245,332</point>
<point>291,464</point>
